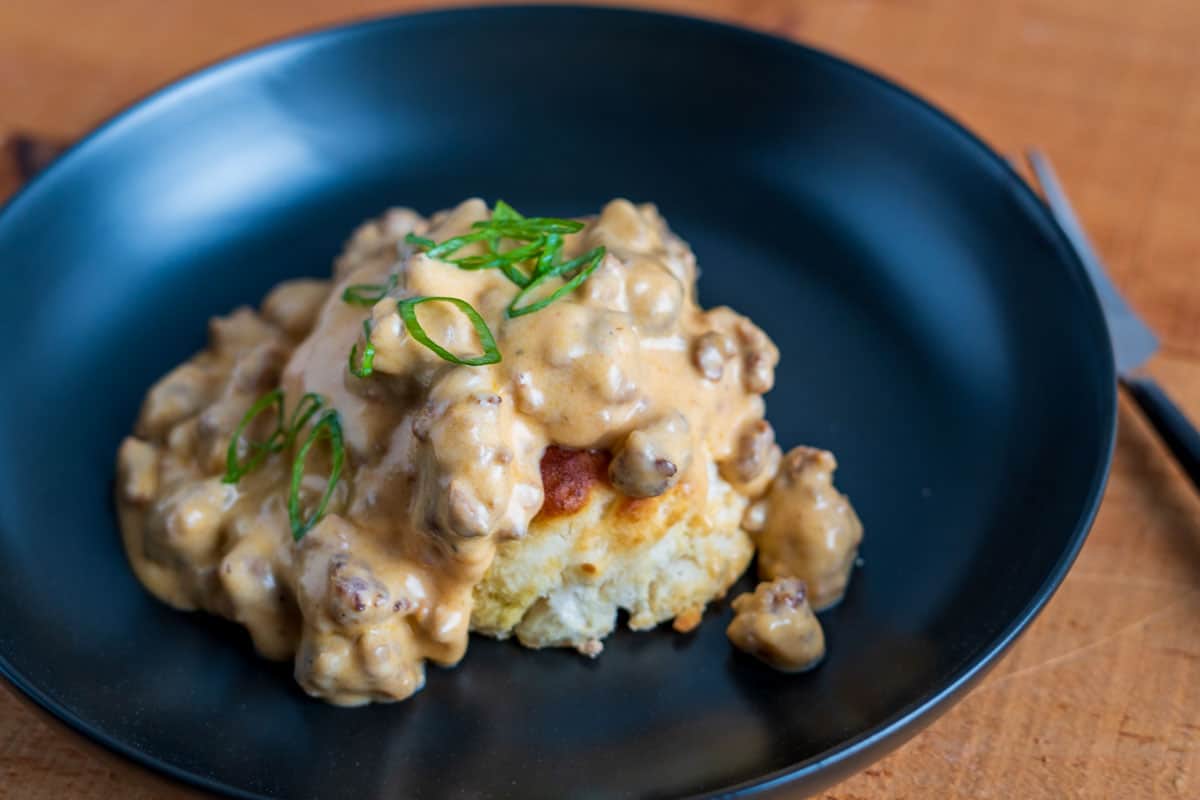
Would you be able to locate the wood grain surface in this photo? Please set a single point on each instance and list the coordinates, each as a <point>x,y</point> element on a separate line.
<point>1101,698</point>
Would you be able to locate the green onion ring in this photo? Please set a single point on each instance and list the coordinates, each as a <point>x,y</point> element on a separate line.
<point>330,427</point>
<point>408,312</point>
<point>234,470</point>
<point>368,294</point>
<point>594,257</point>
<point>364,368</point>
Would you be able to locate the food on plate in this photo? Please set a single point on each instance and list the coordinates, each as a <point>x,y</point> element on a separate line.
<point>518,426</point>
<point>806,528</point>
<point>776,625</point>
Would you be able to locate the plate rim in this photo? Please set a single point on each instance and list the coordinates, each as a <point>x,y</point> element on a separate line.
<point>906,721</point>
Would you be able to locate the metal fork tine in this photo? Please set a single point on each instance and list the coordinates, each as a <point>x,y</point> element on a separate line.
<point>1133,340</point>
<point>1061,207</point>
<point>1018,165</point>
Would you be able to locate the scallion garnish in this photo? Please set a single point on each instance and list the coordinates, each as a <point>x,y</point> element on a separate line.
<point>549,254</point>
<point>541,241</point>
<point>235,469</point>
<point>309,404</point>
<point>364,368</point>
<point>455,243</point>
<point>493,259</point>
<point>329,427</point>
<point>542,237</point>
<point>280,439</point>
<point>407,309</point>
<point>368,294</point>
<point>591,259</point>
<point>505,262</point>
<point>528,227</point>
<point>419,241</point>
<point>503,212</point>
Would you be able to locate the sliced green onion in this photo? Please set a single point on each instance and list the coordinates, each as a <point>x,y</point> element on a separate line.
<point>365,367</point>
<point>419,241</point>
<point>456,242</point>
<point>506,262</point>
<point>368,294</point>
<point>309,404</point>
<point>408,312</point>
<point>529,227</point>
<point>514,274</point>
<point>543,236</point>
<point>502,211</point>
<point>234,470</point>
<point>491,260</point>
<point>495,259</point>
<point>549,255</point>
<point>329,427</point>
<point>515,309</point>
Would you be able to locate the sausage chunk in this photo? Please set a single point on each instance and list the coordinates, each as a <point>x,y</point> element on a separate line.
<point>811,531</point>
<point>652,459</point>
<point>776,625</point>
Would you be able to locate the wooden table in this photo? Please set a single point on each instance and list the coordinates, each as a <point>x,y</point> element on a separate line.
<point>1101,698</point>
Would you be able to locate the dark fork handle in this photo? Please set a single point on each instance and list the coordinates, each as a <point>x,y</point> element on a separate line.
<point>30,154</point>
<point>1174,428</point>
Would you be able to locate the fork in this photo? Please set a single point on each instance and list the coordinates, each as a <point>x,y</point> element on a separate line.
<point>1132,340</point>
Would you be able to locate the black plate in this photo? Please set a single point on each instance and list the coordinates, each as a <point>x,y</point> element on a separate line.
<point>937,333</point>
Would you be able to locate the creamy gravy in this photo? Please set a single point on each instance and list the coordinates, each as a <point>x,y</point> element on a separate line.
<point>443,461</point>
<point>808,529</point>
<point>776,625</point>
